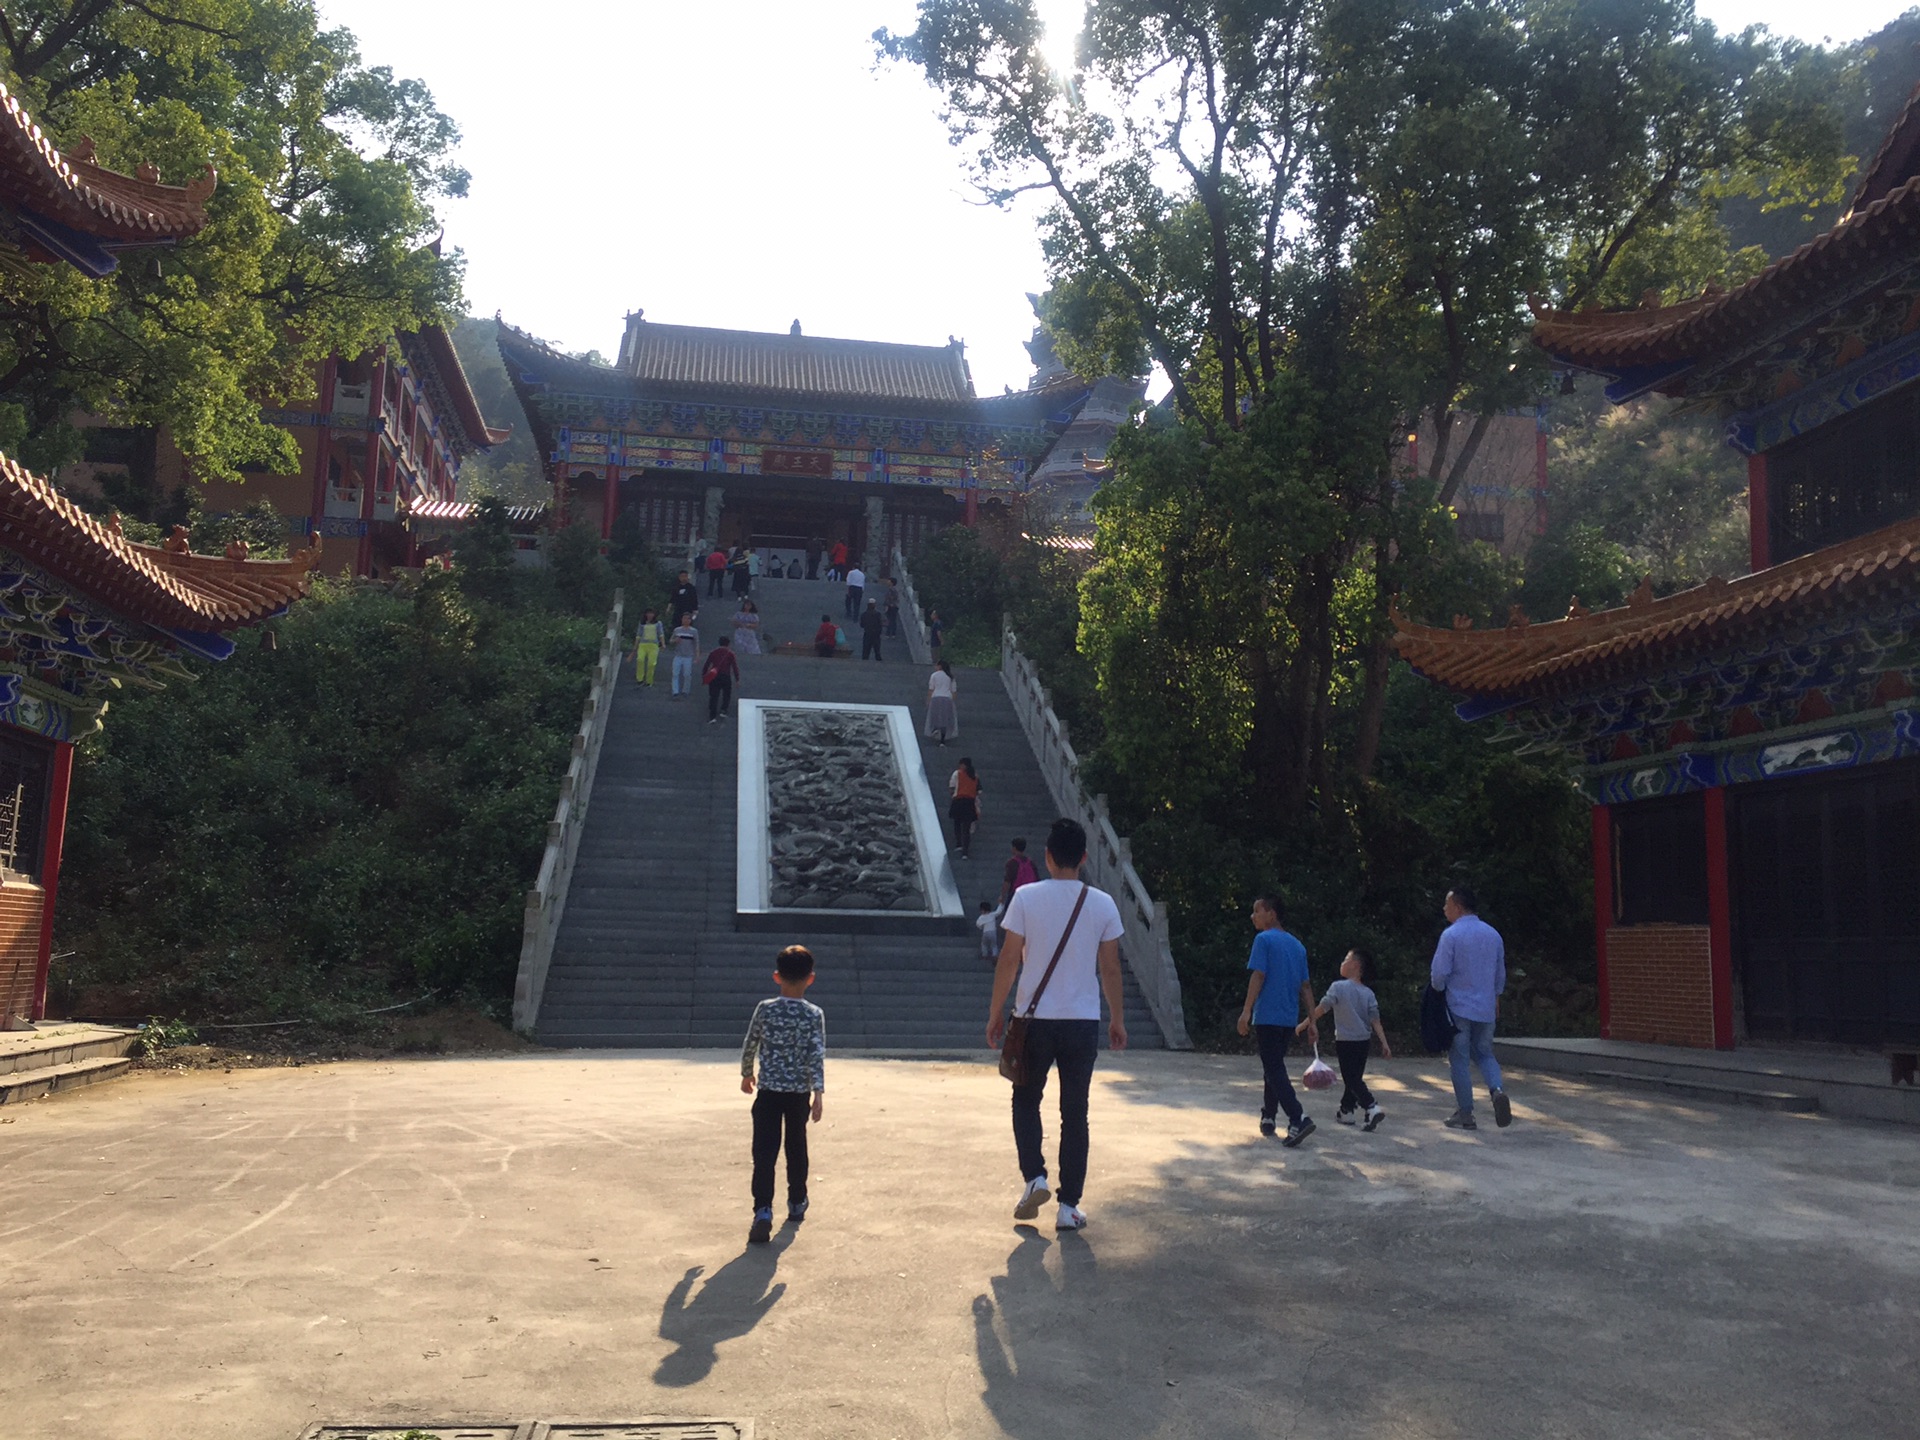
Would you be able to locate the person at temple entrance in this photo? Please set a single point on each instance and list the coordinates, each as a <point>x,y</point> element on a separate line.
<point>838,567</point>
<point>716,570</point>
<point>893,607</point>
<point>816,548</point>
<point>856,591</point>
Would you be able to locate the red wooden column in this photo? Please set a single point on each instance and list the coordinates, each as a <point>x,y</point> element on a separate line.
<point>323,445</point>
<point>1719,917</point>
<point>1603,908</point>
<point>612,505</point>
<point>972,515</point>
<point>1759,542</point>
<point>59,781</point>
<point>369,482</point>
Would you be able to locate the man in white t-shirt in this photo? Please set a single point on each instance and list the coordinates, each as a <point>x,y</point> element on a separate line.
<point>856,591</point>
<point>1065,1030</point>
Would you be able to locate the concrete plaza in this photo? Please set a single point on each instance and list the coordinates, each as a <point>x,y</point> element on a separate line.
<point>234,1256</point>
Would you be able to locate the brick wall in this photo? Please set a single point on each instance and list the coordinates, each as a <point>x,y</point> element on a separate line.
<point>22,908</point>
<point>1660,984</point>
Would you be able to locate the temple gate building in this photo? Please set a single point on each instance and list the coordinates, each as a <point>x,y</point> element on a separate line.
<point>771,439</point>
<point>84,611</point>
<point>1752,746</point>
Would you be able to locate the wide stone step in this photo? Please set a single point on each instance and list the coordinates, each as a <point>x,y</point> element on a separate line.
<point>32,1084</point>
<point>1759,1097</point>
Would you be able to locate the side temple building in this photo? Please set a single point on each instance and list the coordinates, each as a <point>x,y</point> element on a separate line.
<point>1752,746</point>
<point>771,439</point>
<point>84,612</point>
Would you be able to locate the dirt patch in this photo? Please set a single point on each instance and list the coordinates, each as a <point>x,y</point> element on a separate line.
<point>450,1030</point>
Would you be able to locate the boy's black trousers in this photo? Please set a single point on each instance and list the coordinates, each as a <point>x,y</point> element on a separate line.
<point>1353,1070</point>
<point>774,1110</point>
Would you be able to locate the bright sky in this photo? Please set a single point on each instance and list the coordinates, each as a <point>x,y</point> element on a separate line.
<point>742,163</point>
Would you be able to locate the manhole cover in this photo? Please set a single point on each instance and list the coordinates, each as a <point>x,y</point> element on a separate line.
<point>543,1430</point>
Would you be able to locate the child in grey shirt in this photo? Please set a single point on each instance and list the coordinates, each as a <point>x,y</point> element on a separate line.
<point>1356,1022</point>
<point>789,1037</point>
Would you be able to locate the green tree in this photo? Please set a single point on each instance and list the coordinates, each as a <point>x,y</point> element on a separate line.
<point>1334,210</point>
<point>483,551</point>
<point>316,237</point>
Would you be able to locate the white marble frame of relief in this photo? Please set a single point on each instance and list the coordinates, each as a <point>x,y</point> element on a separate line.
<point>752,872</point>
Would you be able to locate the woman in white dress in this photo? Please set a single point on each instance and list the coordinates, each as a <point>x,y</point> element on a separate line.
<point>943,720</point>
<point>746,629</point>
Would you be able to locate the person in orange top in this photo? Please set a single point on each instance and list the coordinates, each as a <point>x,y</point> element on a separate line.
<point>964,808</point>
<point>826,637</point>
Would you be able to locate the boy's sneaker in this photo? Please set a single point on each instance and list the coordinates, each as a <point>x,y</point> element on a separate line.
<point>797,1213</point>
<point>1461,1120</point>
<point>1345,1117</point>
<point>1374,1116</point>
<point>1032,1198</point>
<point>762,1230</point>
<point>1070,1217</point>
<point>1298,1131</point>
<point>1267,1126</point>
<point>1502,1109</point>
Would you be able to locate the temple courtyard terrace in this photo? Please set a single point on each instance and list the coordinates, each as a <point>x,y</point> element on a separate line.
<point>240,1255</point>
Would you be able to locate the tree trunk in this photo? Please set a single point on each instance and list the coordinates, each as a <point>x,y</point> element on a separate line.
<point>1376,667</point>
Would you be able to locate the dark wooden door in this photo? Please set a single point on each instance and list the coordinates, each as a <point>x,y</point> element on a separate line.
<point>1826,904</point>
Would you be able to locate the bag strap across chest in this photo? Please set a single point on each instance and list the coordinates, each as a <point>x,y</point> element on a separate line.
<point>1058,950</point>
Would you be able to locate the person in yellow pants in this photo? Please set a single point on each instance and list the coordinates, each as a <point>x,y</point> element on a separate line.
<point>646,646</point>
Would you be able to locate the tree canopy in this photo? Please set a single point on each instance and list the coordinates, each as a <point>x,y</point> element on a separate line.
<point>318,237</point>
<point>1324,220</point>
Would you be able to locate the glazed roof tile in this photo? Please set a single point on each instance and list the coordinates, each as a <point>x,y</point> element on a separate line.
<point>90,198</point>
<point>694,356</point>
<point>1812,279</point>
<point>462,510</point>
<point>1525,660</point>
<point>166,588</point>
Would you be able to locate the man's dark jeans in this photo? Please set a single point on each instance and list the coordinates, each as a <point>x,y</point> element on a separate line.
<point>1073,1045</point>
<point>1273,1041</point>
<point>773,1111</point>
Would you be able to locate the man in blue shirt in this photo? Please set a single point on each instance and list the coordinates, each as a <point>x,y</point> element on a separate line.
<point>1278,993</point>
<point>1470,965</point>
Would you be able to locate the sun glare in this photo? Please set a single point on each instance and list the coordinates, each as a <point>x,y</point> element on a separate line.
<point>1061,22</point>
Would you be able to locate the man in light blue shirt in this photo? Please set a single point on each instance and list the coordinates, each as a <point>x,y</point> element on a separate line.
<point>1470,965</point>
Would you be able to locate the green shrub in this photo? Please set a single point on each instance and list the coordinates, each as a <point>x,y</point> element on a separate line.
<point>351,816</point>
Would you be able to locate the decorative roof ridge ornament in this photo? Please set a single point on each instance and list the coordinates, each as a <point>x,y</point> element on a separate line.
<point>76,190</point>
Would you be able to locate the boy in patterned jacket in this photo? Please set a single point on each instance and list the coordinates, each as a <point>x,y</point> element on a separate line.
<point>790,1037</point>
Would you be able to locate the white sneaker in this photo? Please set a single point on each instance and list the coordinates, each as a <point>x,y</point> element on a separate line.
<point>1070,1218</point>
<point>1032,1198</point>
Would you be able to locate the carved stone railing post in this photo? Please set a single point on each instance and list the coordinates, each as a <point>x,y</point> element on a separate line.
<point>547,900</point>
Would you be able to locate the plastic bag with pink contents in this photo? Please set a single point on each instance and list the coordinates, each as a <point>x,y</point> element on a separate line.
<point>1319,1075</point>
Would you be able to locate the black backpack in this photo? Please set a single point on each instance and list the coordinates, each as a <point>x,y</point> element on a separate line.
<point>1436,1022</point>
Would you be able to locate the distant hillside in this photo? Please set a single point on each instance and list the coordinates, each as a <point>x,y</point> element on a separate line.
<point>511,471</point>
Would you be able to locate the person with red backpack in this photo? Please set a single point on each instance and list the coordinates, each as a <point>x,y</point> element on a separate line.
<point>1019,871</point>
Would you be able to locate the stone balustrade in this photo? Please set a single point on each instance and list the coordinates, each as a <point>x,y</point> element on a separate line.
<point>547,900</point>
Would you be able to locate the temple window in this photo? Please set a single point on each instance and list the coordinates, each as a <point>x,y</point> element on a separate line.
<point>1660,866</point>
<point>1852,475</point>
<point>23,802</point>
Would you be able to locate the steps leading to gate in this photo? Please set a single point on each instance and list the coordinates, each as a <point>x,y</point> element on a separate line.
<point>1852,1085</point>
<point>647,954</point>
<point>60,1055</point>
